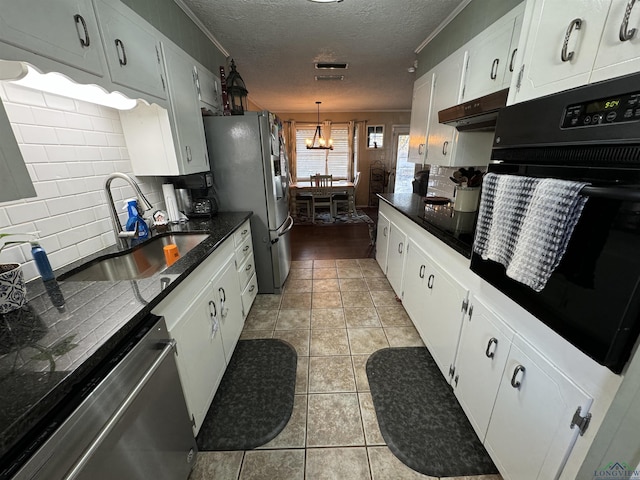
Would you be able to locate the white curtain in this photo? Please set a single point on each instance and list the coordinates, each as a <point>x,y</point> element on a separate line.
<point>290,138</point>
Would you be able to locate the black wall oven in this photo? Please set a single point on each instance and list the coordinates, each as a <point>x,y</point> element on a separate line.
<point>589,134</point>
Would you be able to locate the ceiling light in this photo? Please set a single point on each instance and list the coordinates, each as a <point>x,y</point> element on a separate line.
<point>25,75</point>
<point>325,1</point>
<point>322,143</point>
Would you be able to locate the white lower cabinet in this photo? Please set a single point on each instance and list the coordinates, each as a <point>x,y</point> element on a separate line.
<point>436,303</point>
<point>530,434</point>
<point>485,343</point>
<point>395,257</point>
<point>206,326</point>
<point>382,241</point>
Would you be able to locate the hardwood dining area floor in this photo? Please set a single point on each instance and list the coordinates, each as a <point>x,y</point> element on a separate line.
<point>323,242</point>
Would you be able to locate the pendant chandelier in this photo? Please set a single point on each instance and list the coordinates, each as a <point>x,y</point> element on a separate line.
<point>322,143</point>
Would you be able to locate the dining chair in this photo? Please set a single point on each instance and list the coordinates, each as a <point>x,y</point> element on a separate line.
<point>321,194</point>
<point>344,198</point>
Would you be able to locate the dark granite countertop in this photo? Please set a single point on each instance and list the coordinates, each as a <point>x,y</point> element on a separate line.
<point>454,228</point>
<point>68,328</point>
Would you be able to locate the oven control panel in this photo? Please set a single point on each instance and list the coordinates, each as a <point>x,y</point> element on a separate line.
<point>618,109</point>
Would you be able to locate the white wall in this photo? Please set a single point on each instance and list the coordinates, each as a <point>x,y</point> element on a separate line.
<point>69,147</point>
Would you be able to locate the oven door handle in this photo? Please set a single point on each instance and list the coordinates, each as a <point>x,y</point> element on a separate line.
<point>118,414</point>
<point>614,193</point>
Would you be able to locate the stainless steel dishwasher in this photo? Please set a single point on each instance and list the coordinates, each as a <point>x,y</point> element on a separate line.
<point>133,425</point>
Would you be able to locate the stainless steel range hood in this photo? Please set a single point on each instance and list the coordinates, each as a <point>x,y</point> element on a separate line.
<point>475,115</point>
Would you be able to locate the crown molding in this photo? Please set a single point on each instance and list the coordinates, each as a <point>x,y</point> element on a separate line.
<point>201,26</point>
<point>440,27</point>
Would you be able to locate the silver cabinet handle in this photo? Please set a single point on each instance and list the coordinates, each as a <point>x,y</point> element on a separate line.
<point>491,353</point>
<point>577,24</point>
<point>430,281</point>
<point>625,33</point>
<point>84,41</point>
<point>444,147</point>
<point>253,287</point>
<point>246,249</point>
<point>248,267</point>
<point>513,57</point>
<point>213,311</point>
<point>244,232</point>
<point>223,298</point>
<point>122,59</point>
<point>494,69</point>
<point>384,232</point>
<point>188,150</point>
<point>119,413</point>
<point>516,383</point>
<point>400,248</point>
<point>421,148</point>
<point>421,273</point>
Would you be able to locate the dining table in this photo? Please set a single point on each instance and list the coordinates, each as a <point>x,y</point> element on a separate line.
<point>336,187</point>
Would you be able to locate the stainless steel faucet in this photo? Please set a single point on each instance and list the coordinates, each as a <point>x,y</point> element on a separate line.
<point>121,234</point>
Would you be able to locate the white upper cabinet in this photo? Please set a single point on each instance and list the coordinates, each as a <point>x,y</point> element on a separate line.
<point>208,90</point>
<point>561,45</point>
<point>132,49</point>
<point>492,56</point>
<point>447,77</point>
<point>619,51</point>
<point>420,110</point>
<point>64,31</point>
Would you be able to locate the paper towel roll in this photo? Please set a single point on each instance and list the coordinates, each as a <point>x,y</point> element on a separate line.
<point>171,203</point>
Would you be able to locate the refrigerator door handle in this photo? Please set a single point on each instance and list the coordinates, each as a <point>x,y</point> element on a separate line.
<point>286,227</point>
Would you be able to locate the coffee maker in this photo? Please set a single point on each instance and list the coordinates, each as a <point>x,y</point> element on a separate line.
<point>204,202</point>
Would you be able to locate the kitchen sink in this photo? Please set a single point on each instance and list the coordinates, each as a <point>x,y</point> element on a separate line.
<point>141,261</point>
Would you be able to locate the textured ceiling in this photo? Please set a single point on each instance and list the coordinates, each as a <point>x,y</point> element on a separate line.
<point>275,44</point>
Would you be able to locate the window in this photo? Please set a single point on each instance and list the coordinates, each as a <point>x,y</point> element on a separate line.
<point>375,136</point>
<point>327,162</point>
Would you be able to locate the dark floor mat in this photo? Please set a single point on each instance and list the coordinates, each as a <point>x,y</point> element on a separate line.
<point>255,398</point>
<point>420,418</point>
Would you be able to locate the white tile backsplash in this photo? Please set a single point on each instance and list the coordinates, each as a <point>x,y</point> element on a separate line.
<point>440,184</point>
<point>69,147</point>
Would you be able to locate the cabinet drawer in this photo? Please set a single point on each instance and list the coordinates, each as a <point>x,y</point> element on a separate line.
<point>242,234</point>
<point>249,295</point>
<point>246,271</point>
<point>243,251</point>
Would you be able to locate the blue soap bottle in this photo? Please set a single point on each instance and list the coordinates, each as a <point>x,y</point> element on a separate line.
<point>42,261</point>
<point>135,217</point>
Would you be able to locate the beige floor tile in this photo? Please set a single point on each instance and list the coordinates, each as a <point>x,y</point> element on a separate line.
<point>267,301</point>
<point>272,464</point>
<point>320,273</point>
<point>383,299</point>
<point>347,263</point>
<point>301,274</point>
<point>360,372</point>
<point>372,271</point>
<point>334,420</point>
<point>326,300</point>
<point>366,340</point>
<point>254,334</point>
<point>331,374</point>
<point>372,432</point>
<point>353,285</point>
<point>261,319</point>
<point>361,317</point>
<point>329,342</point>
<point>338,464</point>
<point>403,337</point>
<point>296,300</point>
<point>367,262</point>
<point>302,375</point>
<point>349,272</point>
<point>378,283</point>
<point>295,432</point>
<point>394,316</point>
<point>324,264</point>
<point>327,318</point>
<point>298,285</point>
<point>218,465</point>
<point>301,264</point>
<point>299,339</point>
<point>385,466</point>
<point>357,299</point>
<point>326,285</point>
<point>293,319</point>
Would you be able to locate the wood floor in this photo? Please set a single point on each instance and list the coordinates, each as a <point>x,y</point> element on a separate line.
<point>310,242</point>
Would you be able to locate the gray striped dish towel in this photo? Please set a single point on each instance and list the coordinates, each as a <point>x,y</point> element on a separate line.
<point>525,224</point>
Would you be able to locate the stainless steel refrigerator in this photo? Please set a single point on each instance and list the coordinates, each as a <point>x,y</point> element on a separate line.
<point>250,172</point>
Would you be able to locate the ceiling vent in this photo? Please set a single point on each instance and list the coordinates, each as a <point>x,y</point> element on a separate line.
<point>332,66</point>
<point>329,77</point>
